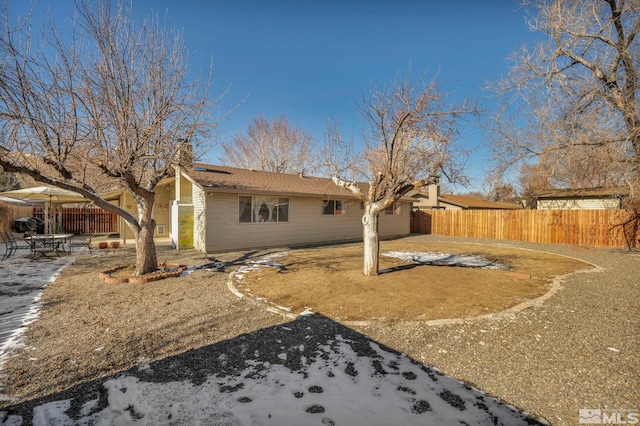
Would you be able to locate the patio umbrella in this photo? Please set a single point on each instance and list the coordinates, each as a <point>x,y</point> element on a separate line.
<point>12,200</point>
<point>51,194</point>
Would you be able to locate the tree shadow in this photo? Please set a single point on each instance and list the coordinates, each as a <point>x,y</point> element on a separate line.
<point>276,373</point>
<point>242,259</point>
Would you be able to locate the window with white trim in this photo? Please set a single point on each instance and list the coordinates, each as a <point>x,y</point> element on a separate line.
<point>334,207</point>
<point>259,209</point>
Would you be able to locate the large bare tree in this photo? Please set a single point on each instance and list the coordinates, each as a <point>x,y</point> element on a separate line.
<point>572,102</point>
<point>410,141</point>
<point>271,145</point>
<point>106,104</point>
<point>8,181</point>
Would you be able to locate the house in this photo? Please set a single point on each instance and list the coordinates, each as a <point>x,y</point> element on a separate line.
<point>432,199</point>
<point>215,208</point>
<point>581,199</point>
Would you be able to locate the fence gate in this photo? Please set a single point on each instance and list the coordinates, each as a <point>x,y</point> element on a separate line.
<point>420,222</point>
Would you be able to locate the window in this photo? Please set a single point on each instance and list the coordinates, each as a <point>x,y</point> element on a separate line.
<point>334,207</point>
<point>393,209</point>
<point>263,209</point>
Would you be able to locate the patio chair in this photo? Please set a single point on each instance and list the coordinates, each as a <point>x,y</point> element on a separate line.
<point>8,245</point>
<point>13,243</point>
<point>79,241</point>
<point>20,242</point>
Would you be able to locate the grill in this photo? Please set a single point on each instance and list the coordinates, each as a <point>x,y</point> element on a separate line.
<point>29,224</point>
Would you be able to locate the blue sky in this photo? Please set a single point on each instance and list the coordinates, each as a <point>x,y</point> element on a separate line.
<point>313,59</point>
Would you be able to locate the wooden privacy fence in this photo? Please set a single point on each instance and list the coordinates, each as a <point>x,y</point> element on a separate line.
<point>598,228</point>
<point>82,220</point>
<point>420,222</point>
<point>10,212</point>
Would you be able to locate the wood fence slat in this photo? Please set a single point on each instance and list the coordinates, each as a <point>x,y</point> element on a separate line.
<point>83,220</point>
<point>15,212</point>
<point>598,228</point>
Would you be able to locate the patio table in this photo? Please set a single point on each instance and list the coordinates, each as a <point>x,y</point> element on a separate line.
<point>41,244</point>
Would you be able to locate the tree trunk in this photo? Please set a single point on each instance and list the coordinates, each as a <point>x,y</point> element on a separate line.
<point>146,257</point>
<point>371,241</point>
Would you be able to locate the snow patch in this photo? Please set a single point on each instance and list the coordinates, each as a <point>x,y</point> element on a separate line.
<point>386,388</point>
<point>22,283</point>
<point>445,259</point>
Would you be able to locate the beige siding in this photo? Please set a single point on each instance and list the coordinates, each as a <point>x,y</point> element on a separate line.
<point>581,204</point>
<point>162,209</point>
<point>394,225</point>
<point>448,206</point>
<point>306,225</point>
<point>185,186</point>
<point>424,204</point>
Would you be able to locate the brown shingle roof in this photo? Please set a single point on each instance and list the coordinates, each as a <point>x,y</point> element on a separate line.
<point>229,179</point>
<point>475,203</point>
<point>584,193</point>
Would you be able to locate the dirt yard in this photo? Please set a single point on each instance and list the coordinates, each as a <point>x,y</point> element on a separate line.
<point>330,281</point>
<point>88,328</point>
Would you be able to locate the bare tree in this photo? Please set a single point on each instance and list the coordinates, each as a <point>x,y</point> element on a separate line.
<point>8,181</point>
<point>410,141</point>
<point>107,104</point>
<point>504,193</point>
<point>573,99</point>
<point>534,178</point>
<point>270,145</point>
<point>337,156</point>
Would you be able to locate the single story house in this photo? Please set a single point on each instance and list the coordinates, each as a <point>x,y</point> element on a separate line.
<point>584,198</point>
<point>216,208</point>
<point>432,199</point>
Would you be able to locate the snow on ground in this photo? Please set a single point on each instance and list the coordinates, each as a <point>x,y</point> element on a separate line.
<point>445,259</point>
<point>311,371</point>
<point>21,284</point>
<point>267,261</point>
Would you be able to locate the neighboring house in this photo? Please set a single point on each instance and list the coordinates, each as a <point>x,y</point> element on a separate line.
<point>216,208</point>
<point>432,199</point>
<point>581,199</point>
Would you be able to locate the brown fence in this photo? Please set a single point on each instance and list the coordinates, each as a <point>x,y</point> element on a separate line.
<point>420,222</point>
<point>598,228</point>
<point>10,212</point>
<point>81,220</point>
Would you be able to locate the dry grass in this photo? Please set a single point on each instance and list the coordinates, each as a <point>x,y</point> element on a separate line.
<point>329,281</point>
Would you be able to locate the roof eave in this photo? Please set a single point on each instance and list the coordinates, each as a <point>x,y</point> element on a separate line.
<point>453,203</point>
<point>214,190</point>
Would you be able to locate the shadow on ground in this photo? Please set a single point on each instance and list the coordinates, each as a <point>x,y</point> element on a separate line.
<point>309,371</point>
